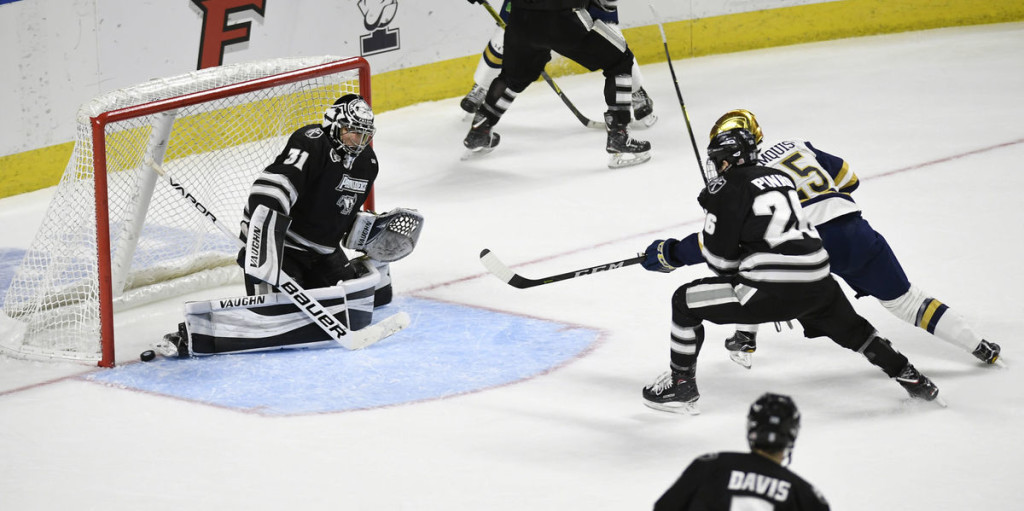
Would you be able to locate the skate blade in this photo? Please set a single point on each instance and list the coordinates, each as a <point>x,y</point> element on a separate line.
<point>644,123</point>
<point>675,407</point>
<point>620,160</point>
<point>742,358</point>
<point>915,403</point>
<point>472,154</point>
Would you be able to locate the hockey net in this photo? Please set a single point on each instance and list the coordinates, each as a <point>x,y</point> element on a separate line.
<point>116,236</point>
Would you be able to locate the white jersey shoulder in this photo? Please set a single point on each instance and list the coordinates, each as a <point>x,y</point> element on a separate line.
<point>819,195</point>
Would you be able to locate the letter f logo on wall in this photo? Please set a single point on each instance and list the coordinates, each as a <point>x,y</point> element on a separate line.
<point>217,34</point>
<point>377,14</point>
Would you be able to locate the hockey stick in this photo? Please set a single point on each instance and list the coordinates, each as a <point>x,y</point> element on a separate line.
<point>350,339</point>
<point>503,272</point>
<point>547,78</point>
<point>682,104</point>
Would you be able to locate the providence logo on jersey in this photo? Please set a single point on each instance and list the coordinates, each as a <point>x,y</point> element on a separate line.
<point>352,185</point>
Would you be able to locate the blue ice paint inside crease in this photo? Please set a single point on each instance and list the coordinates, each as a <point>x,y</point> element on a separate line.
<point>448,349</point>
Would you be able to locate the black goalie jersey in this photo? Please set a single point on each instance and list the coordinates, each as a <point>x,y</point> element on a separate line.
<point>756,229</point>
<point>319,189</point>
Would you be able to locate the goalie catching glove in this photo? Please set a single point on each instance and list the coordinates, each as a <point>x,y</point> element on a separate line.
<point>387,237</point>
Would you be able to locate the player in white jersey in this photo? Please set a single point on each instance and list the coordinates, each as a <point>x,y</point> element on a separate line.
<point>858,253</point>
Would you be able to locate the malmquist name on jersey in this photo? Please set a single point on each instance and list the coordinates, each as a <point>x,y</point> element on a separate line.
<point>823,181</point>
<point>755,228</point>
<point>319,189</point>
<point>733,480</point>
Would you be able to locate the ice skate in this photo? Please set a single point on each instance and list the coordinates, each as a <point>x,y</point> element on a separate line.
<point>471,103</point>
<point>918,385</point>
<point>988,352</point>
<point>674,392</point>
<point>174,344</point>
<point>741,346</point>
<point>643,110</point>
<point>624,150</point>
<point>480,139</point>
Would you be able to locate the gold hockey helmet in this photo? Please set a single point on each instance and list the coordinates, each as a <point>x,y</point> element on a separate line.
<point>738,118</point>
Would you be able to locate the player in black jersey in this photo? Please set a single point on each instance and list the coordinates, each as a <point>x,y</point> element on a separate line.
<point>489,65</point>
<point>771,267</point>
<point>535,29</point>
<point>320,180</point>
<point>754,480</point>
<point>857,252</point>
<point>302,211</point>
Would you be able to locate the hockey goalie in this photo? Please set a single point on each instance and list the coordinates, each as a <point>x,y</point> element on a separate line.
<point>303,212</point>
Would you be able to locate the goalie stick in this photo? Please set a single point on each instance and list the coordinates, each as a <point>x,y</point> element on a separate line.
<point>547,78</point>
<point>350,339</point>
<point>503,272</point>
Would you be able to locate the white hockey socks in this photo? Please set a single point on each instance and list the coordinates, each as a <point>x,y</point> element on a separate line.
<point>933,316</point>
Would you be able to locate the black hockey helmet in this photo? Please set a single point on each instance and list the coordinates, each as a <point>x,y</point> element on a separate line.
<point>773,423</point>
<point>350,113</point>
<point>736,146</point>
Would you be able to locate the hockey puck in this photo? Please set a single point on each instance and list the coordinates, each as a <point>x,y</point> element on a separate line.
<point>147,355</point>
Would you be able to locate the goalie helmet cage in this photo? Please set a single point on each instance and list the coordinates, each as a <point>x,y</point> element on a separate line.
<point>114,238</point>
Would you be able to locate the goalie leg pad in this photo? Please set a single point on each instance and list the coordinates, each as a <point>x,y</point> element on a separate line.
<point>272,321</point>
<point>265,245</point>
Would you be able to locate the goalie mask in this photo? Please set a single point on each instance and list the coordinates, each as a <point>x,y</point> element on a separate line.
<point>773,423</point>
<point>738,118</point>
<point>349,124</point>
<point>736,147</point>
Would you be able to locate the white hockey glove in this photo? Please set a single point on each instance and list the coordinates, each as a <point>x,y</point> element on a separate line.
<point>265,244</point>
<point>387,237</point>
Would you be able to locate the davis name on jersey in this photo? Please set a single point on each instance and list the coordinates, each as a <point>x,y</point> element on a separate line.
<point>769,487</point>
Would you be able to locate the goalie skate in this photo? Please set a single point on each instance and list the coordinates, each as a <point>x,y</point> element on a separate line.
<point>173,345</point>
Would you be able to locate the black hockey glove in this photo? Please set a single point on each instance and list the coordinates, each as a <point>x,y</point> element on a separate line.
<point>606,5</point>
<point>481,2</point>
<point>667,255</point>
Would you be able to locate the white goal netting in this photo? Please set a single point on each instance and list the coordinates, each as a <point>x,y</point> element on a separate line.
<point>213,130</point>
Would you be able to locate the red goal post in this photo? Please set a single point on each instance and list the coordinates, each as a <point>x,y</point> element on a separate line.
<point>114,237</point>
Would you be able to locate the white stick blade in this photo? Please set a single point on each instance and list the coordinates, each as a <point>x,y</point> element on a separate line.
<point>383,329</point>
<point>495,266</point>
